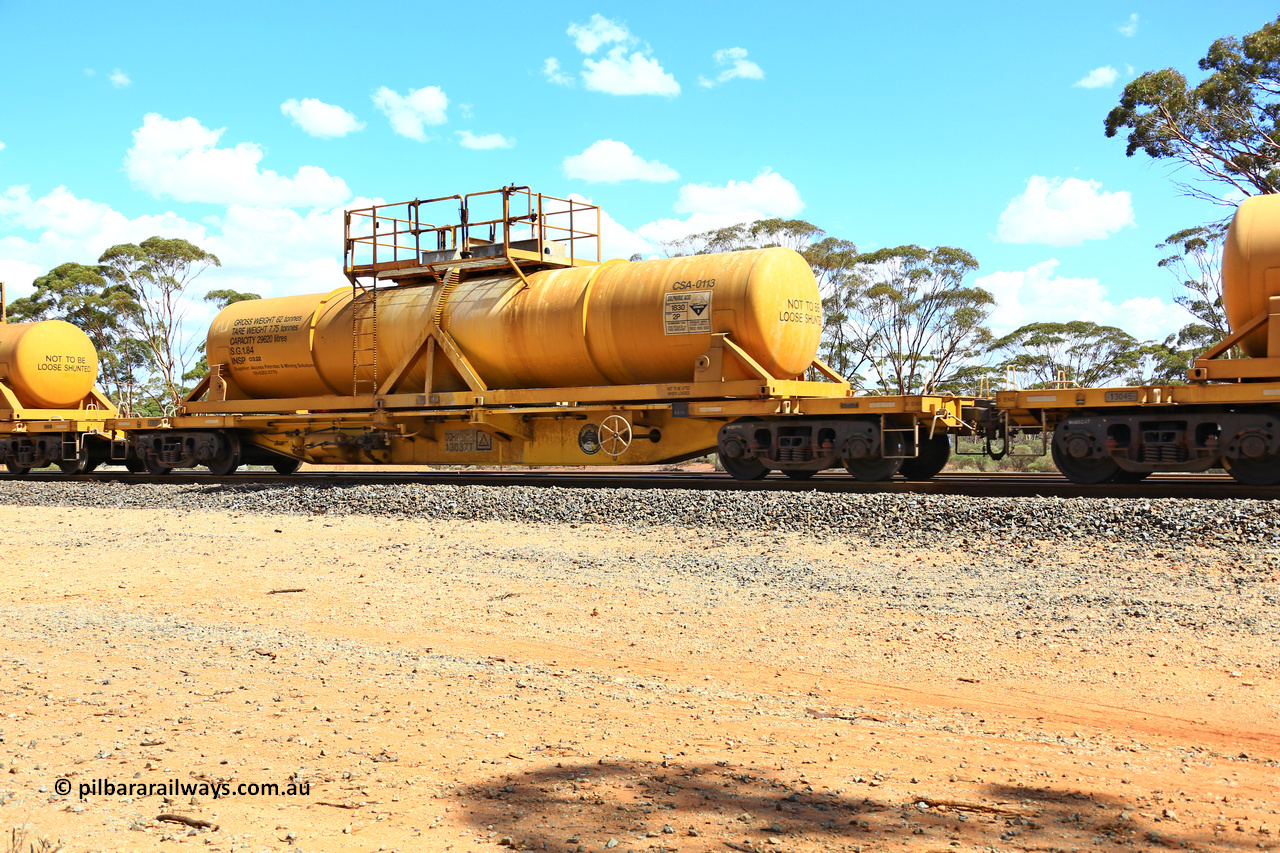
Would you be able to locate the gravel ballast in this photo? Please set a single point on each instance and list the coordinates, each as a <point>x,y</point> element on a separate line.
<point>910,520</point>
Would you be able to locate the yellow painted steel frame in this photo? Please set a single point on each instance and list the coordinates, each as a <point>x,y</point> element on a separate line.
<point>95,411</point>
<point>1025,407</point>
<point>1210,367</point>
<point>567,433</point>
<point>533,435</point>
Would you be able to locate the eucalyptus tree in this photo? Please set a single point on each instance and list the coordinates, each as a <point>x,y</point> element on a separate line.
<point>83,296</point>
<point>760,234</point>
<point>1226,127</point>
<point>157,272</point>
<point>1079,352</point>
<point>919,321</point>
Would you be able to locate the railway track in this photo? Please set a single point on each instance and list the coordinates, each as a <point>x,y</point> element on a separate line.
<point>1200,486</point>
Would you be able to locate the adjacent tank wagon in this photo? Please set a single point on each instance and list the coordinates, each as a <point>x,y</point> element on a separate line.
<point>1226,415</point>
<point>50,411</point>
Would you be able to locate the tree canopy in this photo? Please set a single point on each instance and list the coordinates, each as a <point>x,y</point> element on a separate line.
<point>157,272</point>
<point>917,317</point>
<point>760,234</point>
<point>1078,352</point>
<point>82,296</point>
<point>1227,126</point>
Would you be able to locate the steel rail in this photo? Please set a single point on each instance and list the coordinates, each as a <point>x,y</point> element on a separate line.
<point>1199,486</point>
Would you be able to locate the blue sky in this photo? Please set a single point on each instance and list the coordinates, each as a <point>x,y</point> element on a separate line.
<point>248,127</point>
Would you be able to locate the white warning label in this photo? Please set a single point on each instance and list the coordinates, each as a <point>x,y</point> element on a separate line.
<point>687,313</point>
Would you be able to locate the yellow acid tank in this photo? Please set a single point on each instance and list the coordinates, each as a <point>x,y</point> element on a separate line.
<point>617,323</point>
<point>1251,266</point>
<point>48,365</point>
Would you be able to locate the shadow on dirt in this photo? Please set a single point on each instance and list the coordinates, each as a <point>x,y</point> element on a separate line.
<point>584,804</point>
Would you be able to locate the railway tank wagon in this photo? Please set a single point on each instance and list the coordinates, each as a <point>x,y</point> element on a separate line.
<point>1227,415</point>
<point>51,413</point>
<point>501,339</point>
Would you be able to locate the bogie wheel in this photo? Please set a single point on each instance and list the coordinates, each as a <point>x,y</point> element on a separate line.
<point>800,475</point>
<point>154,466</point>
<point>1123,476</point>
<point>1263,471</point>
<point>933,457</point>
<point>744,469</point>
<point>287,466</point>
<point>87,461</point>
<point>17,470</point>
<point>873,469</point>
<point>228,460</point>
<point>1084,471</point>
<point>134,465</point>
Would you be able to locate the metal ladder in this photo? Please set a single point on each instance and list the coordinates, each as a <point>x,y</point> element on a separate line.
<point>70,446</point>
<point>364,308</point>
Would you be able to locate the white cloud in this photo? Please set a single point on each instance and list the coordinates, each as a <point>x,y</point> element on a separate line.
<point>616,241</point>
<point>271,251</point>
<point>119,79</point>
<point>767,192</point>
<point>70,229</point>
<point>279,251</point>
<point>18,275</point>
<point>1129,27</point>
<point>1064,213</point>
<point>484,141</point>
<point>609,161</point>
<point>320,119</point>
<point>597,32</point>
<point>621,70</point>
<point>619,74</point>
<point>1039,295</point>
<point>738,66</point>
<point>1097,78</point>
<point>409,114</point>
<point>1,146</point>
<point>551,69</point>
<point>766,195</point>
<point>180,159</point>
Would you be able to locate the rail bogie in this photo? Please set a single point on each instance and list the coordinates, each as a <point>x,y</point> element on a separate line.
<point>1124,434</point>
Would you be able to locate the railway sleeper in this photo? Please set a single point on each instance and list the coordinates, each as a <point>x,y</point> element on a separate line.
<point>750,448</point>
<point>1120,448</point>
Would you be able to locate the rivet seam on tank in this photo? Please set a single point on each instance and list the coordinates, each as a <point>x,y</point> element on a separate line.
<point>586,304</point>
<point>311,332</point>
